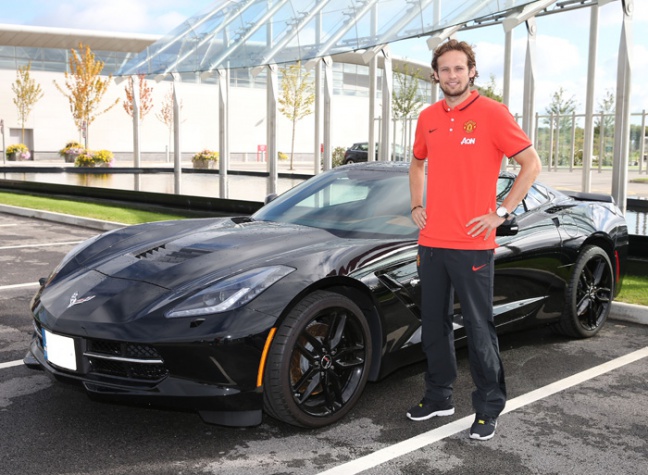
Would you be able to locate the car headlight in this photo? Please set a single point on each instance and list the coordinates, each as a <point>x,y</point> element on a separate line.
<point>230,293</point>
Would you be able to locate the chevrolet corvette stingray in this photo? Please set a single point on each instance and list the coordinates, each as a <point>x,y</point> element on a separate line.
<point>292,310</point>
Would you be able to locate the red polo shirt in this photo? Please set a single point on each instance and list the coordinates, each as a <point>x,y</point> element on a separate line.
<point>464,148</point>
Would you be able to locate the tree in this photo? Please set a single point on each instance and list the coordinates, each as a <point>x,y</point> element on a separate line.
<point>145,99</point>
<point>491,90</point>
<point>407,99</point>
<point>84,88</point>
<point>560,111</point>
<point>165,114</point>
<point>28,92</point>
<point>297,97</point>
<point>604,125</point>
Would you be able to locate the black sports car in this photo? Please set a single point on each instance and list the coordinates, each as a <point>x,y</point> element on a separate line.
<point>293,309</point>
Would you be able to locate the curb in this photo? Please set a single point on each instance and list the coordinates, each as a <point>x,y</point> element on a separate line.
<point>627,312</point>
<point>62,218</point>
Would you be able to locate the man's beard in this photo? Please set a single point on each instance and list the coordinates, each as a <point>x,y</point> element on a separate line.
<point>447,93</point>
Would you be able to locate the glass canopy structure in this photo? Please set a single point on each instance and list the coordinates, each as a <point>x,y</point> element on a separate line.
<point>261,34</point>
<point>253,33</point>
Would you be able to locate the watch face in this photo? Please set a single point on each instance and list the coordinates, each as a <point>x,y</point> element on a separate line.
<point>501,212</point>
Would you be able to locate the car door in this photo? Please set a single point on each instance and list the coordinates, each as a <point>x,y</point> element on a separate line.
<point>530,267</point>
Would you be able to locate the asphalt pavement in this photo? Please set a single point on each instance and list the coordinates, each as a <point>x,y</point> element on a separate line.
<point>575,406</point>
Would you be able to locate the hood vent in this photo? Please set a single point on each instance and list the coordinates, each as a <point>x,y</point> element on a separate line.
<point>162,254</point>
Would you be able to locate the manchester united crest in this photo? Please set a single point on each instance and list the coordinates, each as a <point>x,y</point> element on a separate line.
<point>470,126</point>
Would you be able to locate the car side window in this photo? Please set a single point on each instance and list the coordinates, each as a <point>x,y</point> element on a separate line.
<point>504,185</point>
<point>535,197</point>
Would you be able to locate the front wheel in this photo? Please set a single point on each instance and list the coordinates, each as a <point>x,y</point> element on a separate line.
<point>319,361</point>
<point>589,294</point>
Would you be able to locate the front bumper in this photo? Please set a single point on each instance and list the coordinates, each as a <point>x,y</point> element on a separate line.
<point>189,377</point>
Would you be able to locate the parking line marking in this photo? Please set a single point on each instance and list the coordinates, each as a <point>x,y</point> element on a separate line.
<point>417,442</point>
<point>49,244</point>
<point>11,364</point>
<point>7,225</point>
<point>19,286</point>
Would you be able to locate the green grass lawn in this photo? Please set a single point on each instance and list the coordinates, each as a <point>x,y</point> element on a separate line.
<point>105,212</point>
<point>634,290</point>
<point>635,285</point>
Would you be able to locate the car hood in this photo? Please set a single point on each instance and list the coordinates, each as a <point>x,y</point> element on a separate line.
<point>121,273</point>
<point>222,247</point>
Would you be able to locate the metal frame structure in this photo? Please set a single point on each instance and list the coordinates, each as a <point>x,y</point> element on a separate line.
<point>260,34</point>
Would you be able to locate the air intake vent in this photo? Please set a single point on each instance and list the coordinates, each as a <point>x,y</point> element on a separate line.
<point>162,254</point>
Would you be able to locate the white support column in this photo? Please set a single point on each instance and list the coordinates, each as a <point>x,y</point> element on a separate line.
<point>328,97</point>
<point>317,142</point>
<point>622,116</point>
<point>528,102</point>
<point>177,151</point>
<point>373,75</point>
<point>588,139</point>
<point>223,131</point>
<point>136,131</point>
<point>271,128</point>
<point>387,89</point>
<point>373,69</point>
<point>508,66</point>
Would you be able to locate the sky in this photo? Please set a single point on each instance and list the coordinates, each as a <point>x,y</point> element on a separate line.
<point>562,42</point>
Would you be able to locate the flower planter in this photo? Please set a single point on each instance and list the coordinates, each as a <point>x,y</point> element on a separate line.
<point>69,157</point>
<point>12,157</point>
<point>204,164</point>
<point>96,165</point>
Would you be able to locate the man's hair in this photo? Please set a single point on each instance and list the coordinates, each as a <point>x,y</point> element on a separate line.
<point>454,45</point>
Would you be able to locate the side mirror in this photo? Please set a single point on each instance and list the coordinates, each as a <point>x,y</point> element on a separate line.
<point>508,227</point>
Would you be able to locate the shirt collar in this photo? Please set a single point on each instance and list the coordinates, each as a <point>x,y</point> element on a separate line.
<point>474,94</point>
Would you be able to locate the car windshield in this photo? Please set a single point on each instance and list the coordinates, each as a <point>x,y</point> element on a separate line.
<point>349,201</point>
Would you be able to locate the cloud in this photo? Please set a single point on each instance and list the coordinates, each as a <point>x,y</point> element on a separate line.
<point>132,16</point>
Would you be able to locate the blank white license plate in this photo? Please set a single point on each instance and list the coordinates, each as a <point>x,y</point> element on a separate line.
<point>59,350</point>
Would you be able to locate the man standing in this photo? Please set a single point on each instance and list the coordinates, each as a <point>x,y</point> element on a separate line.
<point>463,139</point>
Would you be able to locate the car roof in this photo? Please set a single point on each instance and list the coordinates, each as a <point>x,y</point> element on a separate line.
<point>378,165</point>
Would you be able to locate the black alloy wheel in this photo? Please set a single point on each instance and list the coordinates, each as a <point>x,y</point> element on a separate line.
<point>589,294</point>
<point>318,363</point>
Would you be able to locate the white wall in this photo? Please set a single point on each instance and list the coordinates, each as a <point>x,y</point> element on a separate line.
<point>51,119</point>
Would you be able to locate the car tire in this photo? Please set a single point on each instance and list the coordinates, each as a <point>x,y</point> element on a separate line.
<point>349,160</point>
<point>318,363</point>
<point>589,294</point>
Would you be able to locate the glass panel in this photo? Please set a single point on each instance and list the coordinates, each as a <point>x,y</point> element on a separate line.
<point>252,33</point>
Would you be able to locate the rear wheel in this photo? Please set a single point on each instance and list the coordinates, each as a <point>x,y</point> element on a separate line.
<point>589,294</point>
<point>319,361</point>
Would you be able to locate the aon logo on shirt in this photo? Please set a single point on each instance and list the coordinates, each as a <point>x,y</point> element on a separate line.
<point>467,141</point>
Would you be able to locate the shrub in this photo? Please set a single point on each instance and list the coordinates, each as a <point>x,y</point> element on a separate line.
<point>337,157</point>
<point>205,156</point>
<point>72,148</point>
<point>20,150</point>
<point>100,158</point>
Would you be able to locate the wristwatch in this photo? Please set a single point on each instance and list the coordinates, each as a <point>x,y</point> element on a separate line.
<point>502,212</point>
